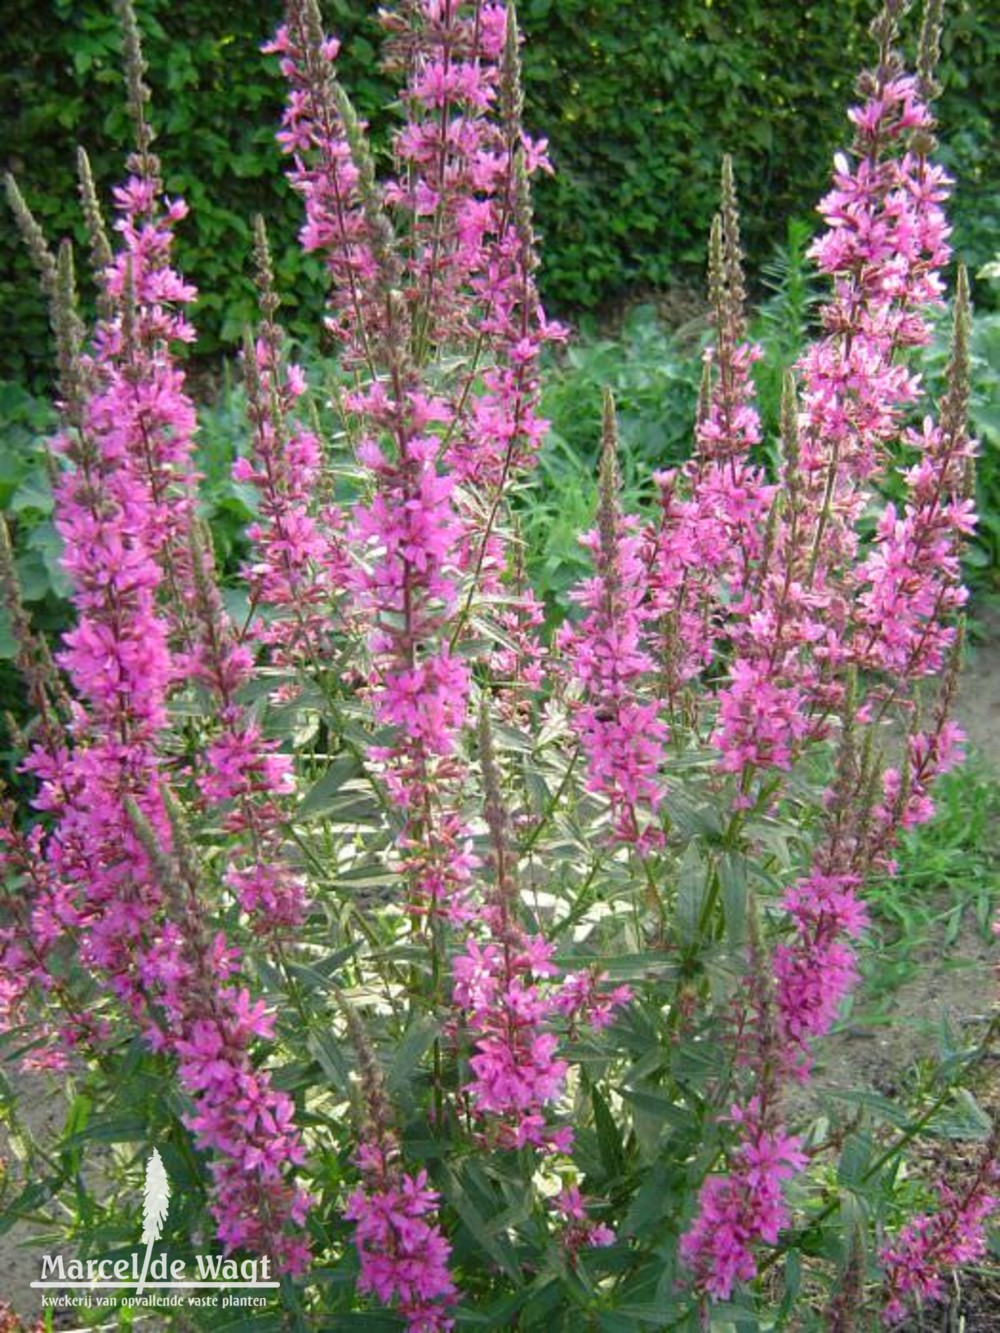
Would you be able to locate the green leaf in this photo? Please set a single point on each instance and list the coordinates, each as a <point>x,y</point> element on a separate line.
<point>653,967</point>
<point>123,1128</point>
<point>8,644</point>
<point>34,495</point>
<point>328,1051</point>
<point>319,975</point>
<point>732,871</point>
<point>880,1107</point>
<point>337,798</point>
<point>32,576</point>
<point>609,1138</point>
<point>416,1040</point>
<point>652,1203</point>
<point>497,1246</point>
<point>793,1285</point>
<point>854,1159</point>
<point>966,1120</point>
<point>691,888</point>
<point>46,541</point>
<point>78,1115</point>
<point>31,1197</point>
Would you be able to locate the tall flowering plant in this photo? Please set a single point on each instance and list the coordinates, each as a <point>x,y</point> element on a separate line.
<point>470,963</point>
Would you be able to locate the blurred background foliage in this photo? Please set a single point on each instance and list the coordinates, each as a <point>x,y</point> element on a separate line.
<point>638,102</point>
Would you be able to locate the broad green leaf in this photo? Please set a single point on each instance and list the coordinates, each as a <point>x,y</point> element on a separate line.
<point>880,1107</point>
<point>854,1159</point>
<point>8,644</point>
<point>966,1120</point>
<point>33,495</point>
<point>339,798</point>
<point>111,1129</point>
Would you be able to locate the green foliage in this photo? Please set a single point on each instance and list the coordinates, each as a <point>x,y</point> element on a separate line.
<point>968,112</point>
<point>654,377</point>
<point>983,554</point>
<point>985,421</point>
<point>949,871</point>
<point>785,320</point>
<point>655,386</point>
<point>657,94</point>
<point>26,504</point>
<point>673,922</point>
<point>638,102</point>
<point>218,102</point>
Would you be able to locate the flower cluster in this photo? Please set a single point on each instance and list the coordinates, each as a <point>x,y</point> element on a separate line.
<point>243,776</point>
<point>239,1115</point>
<point>518,665</point>
<point>38,907</point>
<point>915,1262</point>
<point>580,1231</point>
<point>344,224</point>
<point>815,970</point>
<point>622,736</point>
<point>708,538</point>
<point>298,565</point>
<point>509,1010</point>
<point>773,611</point>
<point>738,1210</point>
<point>818,606</point>
<point>745,1205</point>
<point>401,1248</point>
<point>510,1014</point>
<point>517,1072</point>
<point>404,1256</point>
<point>408,530</point>
<point>407,589</point>
<point>111,864</point>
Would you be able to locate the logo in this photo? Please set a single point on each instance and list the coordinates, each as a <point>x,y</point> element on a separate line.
<point>155,1202</point>
<point>215,1282</point>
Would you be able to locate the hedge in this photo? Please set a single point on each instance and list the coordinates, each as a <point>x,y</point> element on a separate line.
<point>639,102</point>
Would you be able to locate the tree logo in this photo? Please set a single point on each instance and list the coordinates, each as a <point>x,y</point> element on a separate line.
<point>214,1281</point>
<point>155,1202</point>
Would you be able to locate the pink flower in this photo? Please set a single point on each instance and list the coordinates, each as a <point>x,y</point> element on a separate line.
<point>579,1230</point>
<point>124,507</point>
<point>739,1210</point>
<point>916,1261</point>
<point>608,657</point>
<point>404,1256</point>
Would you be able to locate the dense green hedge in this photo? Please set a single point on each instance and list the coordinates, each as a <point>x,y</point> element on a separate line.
<point>217,100</point>
<point>639,101</point>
